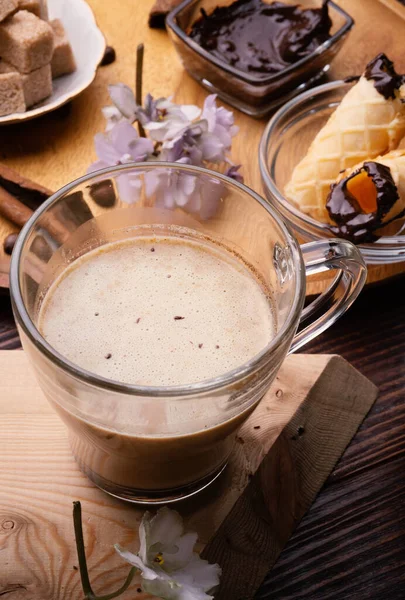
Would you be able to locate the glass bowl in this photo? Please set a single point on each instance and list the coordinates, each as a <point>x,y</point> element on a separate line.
<point>253,94</point>
<point>285,142</point>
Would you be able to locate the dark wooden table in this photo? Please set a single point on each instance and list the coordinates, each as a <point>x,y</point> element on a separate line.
<point>351,544</point>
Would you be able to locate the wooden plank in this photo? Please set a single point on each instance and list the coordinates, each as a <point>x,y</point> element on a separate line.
<point>263,519</point>
<point>39,480</point>
<point>58,148</point>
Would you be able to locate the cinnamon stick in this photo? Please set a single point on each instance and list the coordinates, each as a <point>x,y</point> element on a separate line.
<point>159,11</point>
<point>4,271</point>
<point>12,209</point>
<point>30,193</point>
<point>15,211</point>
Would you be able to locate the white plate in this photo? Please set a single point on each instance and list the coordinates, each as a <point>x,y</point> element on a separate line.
<point>88,46</point>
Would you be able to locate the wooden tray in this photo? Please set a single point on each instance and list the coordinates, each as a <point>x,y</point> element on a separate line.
<point>58,148</point>
<point>284,454</point>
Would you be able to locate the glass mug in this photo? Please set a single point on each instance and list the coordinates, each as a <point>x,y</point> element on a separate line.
<point>159,444</point>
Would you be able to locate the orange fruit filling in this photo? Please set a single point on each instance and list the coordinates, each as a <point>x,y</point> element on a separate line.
<point>364,191</point>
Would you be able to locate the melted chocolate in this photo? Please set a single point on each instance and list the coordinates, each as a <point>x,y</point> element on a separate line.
<point>256,37</point>
<point>351,78</point>
<point>386,79</point>
<point>352,223</point>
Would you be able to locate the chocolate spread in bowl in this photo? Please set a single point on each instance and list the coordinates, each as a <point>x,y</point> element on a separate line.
<point>257,37</point>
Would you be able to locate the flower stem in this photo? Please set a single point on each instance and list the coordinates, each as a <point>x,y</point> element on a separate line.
<point>138,83</point>
<point>81,555</point>
<point>121,590</point>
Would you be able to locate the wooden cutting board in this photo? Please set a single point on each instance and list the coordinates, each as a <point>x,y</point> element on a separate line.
<point>58,148</point>
<point>283,455</point>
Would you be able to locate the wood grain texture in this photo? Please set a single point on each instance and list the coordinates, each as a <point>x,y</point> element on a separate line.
<point>351,544</point>
<point>40,479</point>
<point>253,535</point>
<point>58,147</point>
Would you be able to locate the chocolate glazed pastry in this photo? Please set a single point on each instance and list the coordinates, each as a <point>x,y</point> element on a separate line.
<point>386,80</point>
<point>359,204</point>
<point>257,37</point>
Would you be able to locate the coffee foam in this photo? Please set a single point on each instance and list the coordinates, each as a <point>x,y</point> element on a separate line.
<point>161,311</point>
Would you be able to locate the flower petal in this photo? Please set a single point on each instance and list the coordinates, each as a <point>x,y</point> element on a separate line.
<point>166,526</point>
<point>144,532</point>
<point>200,573</point>
<point>153,179</point>
<point>180,553</point>
<point>211,193</point>
<point>105,150</point>
<point>140,149</point>
<point>122,136</point>
<point>157,130</point>
<point>135,561</point>
<point>124,99</point>
<point>129,186</point>
<point>233,173</point>
<point>208,113</point>
<point>112,115</point>
<point>96,166</point>
<point>189,592</point>
<point>190,111</point>
<point>166,589</point>
<point>212,148</point>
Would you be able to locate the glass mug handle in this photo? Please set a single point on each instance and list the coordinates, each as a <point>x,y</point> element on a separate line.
<point>327,308</point>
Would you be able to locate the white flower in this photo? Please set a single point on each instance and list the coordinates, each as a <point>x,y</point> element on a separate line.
<point>171,119</point>
<point>169,568</point>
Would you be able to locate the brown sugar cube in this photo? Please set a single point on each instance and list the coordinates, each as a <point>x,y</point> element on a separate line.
<point>33,6</point>
<point>11,94</point>
<point>63,61</point>
<point>5,67</point>
<point>26,41</point>
<point>37,85</point>
<point>7,7</point>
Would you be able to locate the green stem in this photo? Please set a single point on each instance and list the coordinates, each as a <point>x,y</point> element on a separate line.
<point>122,589</point>
<point>138,83</point>
<point>81,555</point>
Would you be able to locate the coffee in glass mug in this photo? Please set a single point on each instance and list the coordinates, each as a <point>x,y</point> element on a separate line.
<point>155,330</point>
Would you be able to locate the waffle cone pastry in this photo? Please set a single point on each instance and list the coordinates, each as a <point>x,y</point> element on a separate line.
<point>368,201</point>
<point>369,121</point>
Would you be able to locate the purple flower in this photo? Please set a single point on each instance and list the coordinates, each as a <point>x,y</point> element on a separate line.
<point>208,139</point>
<point>217,140</point>
<point>121,145</point>
<point>174,136</point>
<point>149,112</point>
<point>198,195</point>
<point>233,173</point>
<point>185,145</point>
